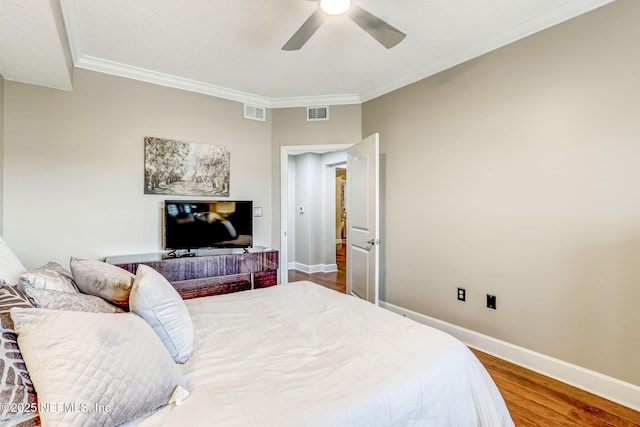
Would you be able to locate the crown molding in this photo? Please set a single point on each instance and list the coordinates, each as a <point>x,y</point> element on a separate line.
<point>136,73</point>
<point>517,31</point>
<point>87,62</point>
<point>310,101</point>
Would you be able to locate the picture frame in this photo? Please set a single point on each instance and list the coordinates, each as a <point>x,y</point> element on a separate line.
<point>174,167</point>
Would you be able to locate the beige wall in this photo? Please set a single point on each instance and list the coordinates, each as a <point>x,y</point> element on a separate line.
<point>518,174</point>
<point>74,164</point>
<point>290,128</point>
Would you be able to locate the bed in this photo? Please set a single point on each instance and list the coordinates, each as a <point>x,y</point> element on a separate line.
<point>296,354</point>
<point>303,355</point>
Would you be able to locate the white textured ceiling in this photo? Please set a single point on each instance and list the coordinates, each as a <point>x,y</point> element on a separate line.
<point>231,48</point>
<point>32,49</point>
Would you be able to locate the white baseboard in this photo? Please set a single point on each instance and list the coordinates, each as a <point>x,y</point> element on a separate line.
<point>602,385</point>
<point>317,268</point>
<point>330,268</point>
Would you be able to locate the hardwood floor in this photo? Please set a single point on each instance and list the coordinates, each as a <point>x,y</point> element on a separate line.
<point>532,399</point>
<point>335,280</point>
<point>537,400</point>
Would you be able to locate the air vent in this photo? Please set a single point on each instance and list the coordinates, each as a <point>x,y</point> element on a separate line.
<point>253,112</point>
<point>317,113</point>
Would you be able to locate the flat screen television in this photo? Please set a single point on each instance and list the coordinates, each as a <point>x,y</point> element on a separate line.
<point>190,224</point>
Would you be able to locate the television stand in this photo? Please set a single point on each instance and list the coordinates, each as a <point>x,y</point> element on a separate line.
<point>209,273</point>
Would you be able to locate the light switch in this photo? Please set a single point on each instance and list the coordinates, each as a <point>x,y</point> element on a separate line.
<point>257,211</point>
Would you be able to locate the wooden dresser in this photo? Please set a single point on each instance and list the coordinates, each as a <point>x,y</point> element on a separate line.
<point>210,272</point>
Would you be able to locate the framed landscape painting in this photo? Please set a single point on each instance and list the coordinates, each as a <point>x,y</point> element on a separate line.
<point>184,168</point>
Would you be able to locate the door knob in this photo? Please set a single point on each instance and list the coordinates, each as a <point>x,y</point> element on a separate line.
<point>371,243</point>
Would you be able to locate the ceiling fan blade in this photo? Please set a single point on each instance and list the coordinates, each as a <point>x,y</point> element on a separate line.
<point>384,33</point>
<point>305,32</point>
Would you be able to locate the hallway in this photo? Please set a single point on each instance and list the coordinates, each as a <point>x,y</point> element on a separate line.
<point>335,280</point>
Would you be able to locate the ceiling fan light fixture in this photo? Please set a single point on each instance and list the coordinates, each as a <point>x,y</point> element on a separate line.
<point>384,33</point>
<point>335,7</point>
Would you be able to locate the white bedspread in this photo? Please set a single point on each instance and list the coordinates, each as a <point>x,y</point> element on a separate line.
<point>302,355</point>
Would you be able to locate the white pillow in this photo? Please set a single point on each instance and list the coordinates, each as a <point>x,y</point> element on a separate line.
<point>104,280</point>
<point>10,266</point>
<point>106,368</point>
<point>50,276</point>
<point>156,301</point>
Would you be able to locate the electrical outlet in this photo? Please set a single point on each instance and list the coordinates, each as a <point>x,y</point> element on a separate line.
<point>462,294</point>
<point>491,301</point>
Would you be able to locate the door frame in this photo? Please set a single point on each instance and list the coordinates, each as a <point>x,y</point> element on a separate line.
<point>285,152</point>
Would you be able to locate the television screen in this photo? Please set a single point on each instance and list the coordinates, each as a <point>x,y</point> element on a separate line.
<point>208,224</point>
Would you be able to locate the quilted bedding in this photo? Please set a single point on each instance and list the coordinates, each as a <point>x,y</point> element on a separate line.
<point>302,355</point>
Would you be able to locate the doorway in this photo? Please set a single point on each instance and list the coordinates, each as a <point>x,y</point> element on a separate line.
<point>341,226</point>
<point>336,279</point>
<point>318,220</point>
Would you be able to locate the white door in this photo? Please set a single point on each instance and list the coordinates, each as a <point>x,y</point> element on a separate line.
<point>362,219</point>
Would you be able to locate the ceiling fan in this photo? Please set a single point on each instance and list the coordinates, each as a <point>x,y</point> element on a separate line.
<point>384,33</point>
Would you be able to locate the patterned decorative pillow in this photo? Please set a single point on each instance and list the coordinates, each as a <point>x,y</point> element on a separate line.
<point>56,300</point>
<point>50,276</point>
<point>104,280</point>
<point>113,364</point>
<point>10,266</point>
<point>16,390</point>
